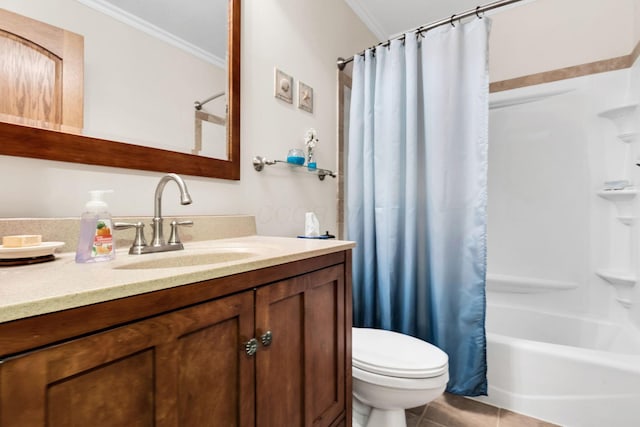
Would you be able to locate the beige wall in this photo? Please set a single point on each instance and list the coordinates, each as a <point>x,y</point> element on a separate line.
<point>303,38</point>
<point>636,13</point>
<point>546,35</point>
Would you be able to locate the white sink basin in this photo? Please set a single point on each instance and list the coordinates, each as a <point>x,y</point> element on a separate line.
<point>189,258</point>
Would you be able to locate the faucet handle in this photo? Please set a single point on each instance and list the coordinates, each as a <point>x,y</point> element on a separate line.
<point>174,238</point>
<point>139,241</point>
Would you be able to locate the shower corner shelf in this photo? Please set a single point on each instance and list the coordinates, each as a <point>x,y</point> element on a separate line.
<point>622,199</point>
<point>259,163</point>
<point>624,120</point>
<point>622,282</point>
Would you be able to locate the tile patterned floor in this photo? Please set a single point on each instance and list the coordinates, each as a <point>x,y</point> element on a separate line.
<point>456,411</point>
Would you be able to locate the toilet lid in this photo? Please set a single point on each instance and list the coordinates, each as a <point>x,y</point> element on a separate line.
<point>396,355</point>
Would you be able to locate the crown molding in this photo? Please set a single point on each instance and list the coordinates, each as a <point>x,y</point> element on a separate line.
<point>152,30</point>
<point>360,9</point>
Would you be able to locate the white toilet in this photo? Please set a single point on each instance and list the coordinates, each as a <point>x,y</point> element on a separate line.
<point>393,372</point>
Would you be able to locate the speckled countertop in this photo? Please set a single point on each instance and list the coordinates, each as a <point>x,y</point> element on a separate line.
<point>62,284</point>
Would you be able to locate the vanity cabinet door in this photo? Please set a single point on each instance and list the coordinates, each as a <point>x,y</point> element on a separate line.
<point>184,368</point>
<point>300,375</point>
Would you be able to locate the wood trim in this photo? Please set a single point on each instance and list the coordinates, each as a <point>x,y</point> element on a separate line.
<point>211,118</point>
<point>612,64</point>
<point>55,327</point>
<point>37,143</point>
<point>233,93</point>
<point>635,53</point>
<point>348,305</point>
<point>344,81</point>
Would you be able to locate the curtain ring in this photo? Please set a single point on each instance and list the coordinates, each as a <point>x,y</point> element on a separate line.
<point>477,14</point>
<point>451,21</point>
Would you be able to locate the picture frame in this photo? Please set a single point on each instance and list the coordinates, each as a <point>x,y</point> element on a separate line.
<point>283,85</point>
<point>305,97</point>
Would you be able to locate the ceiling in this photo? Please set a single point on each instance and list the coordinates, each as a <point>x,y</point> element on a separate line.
<point>387,19</point>
<point>203,23</point>
<point>197,26</point>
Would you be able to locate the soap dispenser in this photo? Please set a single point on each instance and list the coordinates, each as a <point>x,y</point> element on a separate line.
<point>96,242</point>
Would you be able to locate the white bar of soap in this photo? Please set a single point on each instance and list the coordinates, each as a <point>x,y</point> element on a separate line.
<point>22,240</point>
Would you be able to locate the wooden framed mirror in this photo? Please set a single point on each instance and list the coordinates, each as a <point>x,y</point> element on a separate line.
<point>55,142</point>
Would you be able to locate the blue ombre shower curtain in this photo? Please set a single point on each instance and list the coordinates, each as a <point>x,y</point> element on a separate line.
<point>417,193</point>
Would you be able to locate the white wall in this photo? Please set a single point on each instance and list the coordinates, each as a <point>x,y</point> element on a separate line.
<point>303,38</point>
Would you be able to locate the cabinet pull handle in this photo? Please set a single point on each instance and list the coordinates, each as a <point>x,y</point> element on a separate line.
<point>266,338</point>
<point>251,346</point>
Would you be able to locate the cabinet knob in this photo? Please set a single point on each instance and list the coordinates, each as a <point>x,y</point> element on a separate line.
<point>266,338</point>
<point>251,346</point>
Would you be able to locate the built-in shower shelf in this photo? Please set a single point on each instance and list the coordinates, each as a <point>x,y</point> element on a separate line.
<point>526,285</point>
<point>629,137</point>
<point>623,200</point>
<point>624,118</point>
<point>618,278</point>
<point>623,283</point>
<point>624,195</point>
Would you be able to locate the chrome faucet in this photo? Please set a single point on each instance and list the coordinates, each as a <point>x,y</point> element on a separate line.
<point>158,243</point>
<point>185,199</point>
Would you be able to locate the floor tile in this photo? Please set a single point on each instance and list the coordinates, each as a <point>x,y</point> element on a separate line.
<point>456,411</point>
<point>413,420</point>
<point>507,418</point>
<point>418,411</point>
<point>428,423</point>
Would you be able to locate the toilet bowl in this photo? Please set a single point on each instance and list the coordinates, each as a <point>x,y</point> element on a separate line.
<point>393,372</point>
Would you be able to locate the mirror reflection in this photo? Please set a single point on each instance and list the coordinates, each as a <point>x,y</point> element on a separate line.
<point>150,67</point>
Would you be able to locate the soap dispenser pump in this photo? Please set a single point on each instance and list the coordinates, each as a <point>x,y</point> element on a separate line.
<point>96,241</point>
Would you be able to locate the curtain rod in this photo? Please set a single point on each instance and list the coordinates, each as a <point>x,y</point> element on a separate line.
<point>341,62</point>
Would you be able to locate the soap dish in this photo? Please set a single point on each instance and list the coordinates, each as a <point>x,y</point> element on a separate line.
<point>10,262</point>
<point>29,254</point>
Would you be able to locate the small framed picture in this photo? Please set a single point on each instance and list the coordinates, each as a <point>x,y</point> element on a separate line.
<point>283,86</point>
<point>305,97</point>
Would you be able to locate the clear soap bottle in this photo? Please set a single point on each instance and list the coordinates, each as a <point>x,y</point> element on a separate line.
<point>96,242</point>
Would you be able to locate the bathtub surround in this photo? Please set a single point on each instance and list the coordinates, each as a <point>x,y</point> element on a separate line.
<point>417,114</point>
<point>572,347</point>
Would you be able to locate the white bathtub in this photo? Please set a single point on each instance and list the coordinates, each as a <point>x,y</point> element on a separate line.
<point>572,371</point>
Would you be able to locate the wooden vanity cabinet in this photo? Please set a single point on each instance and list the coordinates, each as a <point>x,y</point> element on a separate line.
<point>294,387</point>
<point>181,368</point>
<point>190,366</point>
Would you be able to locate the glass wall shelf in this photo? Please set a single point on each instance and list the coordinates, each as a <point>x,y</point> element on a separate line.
<point>259,163</point>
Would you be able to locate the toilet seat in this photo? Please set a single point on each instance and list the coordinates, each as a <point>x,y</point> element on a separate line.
<point>390,354</point>
<point>398,383</point>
